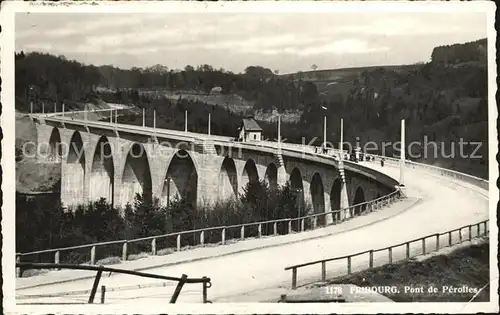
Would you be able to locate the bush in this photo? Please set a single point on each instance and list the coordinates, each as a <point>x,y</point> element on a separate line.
<point>43,223</point>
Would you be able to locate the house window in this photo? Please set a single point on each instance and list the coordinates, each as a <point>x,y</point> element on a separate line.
<point>255,137</point>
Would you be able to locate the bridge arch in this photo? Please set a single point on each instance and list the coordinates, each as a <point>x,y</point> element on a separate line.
<point>228,180</point>
<point>136,176</point>
<point>359,197</point>
<point>102,172</point>
<point>318,197</point>
<point>181,178</point>
<point>74,172</point>
<point>271,176</point>
<point>250,173</point>
<point>55,145</point>
<point>297,187</point>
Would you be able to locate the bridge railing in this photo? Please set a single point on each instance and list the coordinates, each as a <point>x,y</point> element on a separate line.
<point>398,252</point>
<point>220,235</point>
<point>476,181</point>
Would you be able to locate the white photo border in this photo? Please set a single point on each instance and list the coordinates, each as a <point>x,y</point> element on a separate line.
<point>7,36</point>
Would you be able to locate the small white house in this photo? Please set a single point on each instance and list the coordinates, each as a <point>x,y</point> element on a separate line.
<point>250,130</point>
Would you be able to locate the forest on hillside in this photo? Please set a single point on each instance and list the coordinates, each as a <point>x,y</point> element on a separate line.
<point>47,78</point>
<point>435,98</point>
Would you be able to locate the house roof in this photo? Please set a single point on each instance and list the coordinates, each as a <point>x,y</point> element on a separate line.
<point>251,125</point>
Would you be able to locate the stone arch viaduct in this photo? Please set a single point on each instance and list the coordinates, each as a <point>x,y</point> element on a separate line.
<point>116,161</point>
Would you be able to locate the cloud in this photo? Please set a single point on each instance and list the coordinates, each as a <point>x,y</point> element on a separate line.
<point>198,38</point>
<point>398,26</point>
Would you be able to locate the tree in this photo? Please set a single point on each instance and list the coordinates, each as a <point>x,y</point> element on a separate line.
<point>314,67</point>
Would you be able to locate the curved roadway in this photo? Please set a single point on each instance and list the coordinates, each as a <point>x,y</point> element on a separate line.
<point>259,274</point>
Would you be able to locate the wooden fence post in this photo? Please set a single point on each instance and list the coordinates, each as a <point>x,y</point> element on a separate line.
<point>302,225</point>
<point>202,238</point>
<point>103,293</point>
<point>289,226</point>
<point>348,265</point>
<point>223,236</point>
<point>470,232</point>
<point>315,223</point>
<point>259,229</point>
<point>242,232</point>
<point>437,242</point>
<point>390,255</point>
<point>478,229</point>
<point>423,246</point>
<point>449,239</point>
<point>371,259</point>
<point>323,270</point>
<point>275,228</point>
<point>408,250</point>
<point>294,278</point>
<point>92,255</point>
<point>56,257</point>
<point>124,251</point>
<point>153,247</point>
<point>178,242</point>
<point>18,269</point>
<point>460,236</point>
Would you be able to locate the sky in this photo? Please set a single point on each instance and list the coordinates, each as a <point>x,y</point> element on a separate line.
<point>287,42</point>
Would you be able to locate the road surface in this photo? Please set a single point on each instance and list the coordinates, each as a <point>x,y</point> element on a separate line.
<point>256,275</point>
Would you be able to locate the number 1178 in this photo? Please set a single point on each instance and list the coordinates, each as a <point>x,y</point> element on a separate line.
<point>336,290</point>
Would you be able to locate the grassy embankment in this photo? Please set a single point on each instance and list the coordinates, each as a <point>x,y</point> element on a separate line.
<point>464,267</point>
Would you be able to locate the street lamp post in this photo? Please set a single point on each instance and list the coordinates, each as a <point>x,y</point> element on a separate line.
<point>341,144</point>
<point>403,157</point>
<point>209,123</point>
<point>324,132</point>
<point>324,129</point>
<point>279,129</point>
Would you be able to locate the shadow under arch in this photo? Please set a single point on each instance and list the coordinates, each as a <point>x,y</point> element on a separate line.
<point>228,180</point>
<point>181,179</point>
<point>55,145</point>
<point>250,173</point>
<point>297,188</point>
<point>136,176</point>
<point>318,197</point>
<point>73,184</point>
<point>335,197</point>
<point>102,172</point>
<point>359,197</point>
<point>271,176</point>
